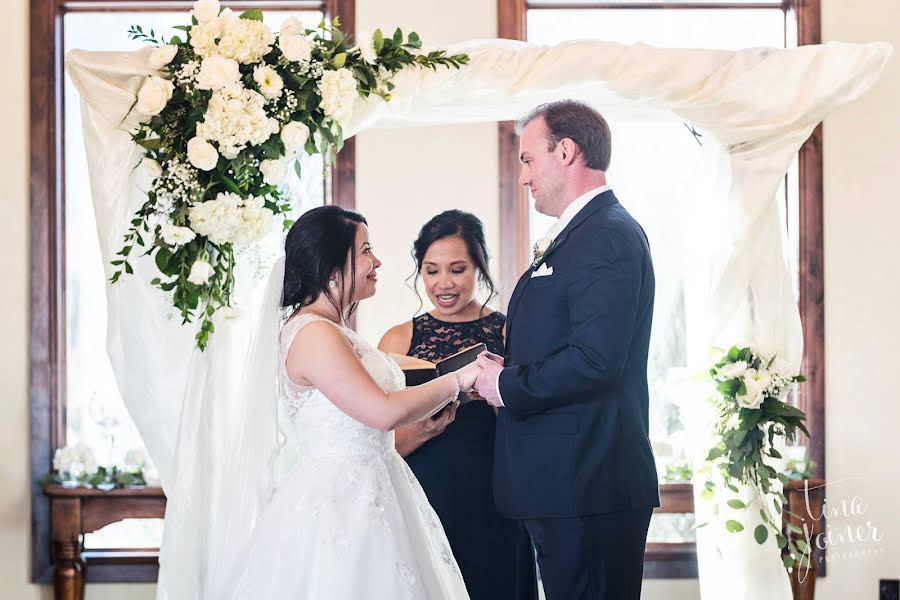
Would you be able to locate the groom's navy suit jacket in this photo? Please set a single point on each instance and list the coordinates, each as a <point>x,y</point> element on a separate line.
<point>572,439</point>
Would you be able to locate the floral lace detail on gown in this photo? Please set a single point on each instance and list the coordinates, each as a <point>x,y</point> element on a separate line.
<point>349,520</point>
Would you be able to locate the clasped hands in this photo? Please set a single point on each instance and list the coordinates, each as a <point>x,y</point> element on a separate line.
<point>479,379</point>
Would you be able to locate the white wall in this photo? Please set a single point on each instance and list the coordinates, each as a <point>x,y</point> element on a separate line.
<point>456,167</point>
<point>862,282</point>
<point>406,176</point>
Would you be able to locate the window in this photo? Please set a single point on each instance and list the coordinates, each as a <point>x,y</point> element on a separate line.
<point>73,392</point>
<point>662,203</point>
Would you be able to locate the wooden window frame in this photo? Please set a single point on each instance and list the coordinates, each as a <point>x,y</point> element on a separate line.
<point>668,561</point>
<point>47,322</point>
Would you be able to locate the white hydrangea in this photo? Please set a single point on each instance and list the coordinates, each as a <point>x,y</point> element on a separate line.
<point>230,219</point>
<point>244,40</point>
<point>269,81</point>
<point>75,460</point>
<point>338,91</point>
<point>236,117</point>
<point>256,222</point>
<point>217,219</point>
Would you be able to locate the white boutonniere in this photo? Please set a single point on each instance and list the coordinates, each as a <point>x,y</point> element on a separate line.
<point>540,248</point>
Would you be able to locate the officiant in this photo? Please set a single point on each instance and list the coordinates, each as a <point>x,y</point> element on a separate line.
<point>452,453</point>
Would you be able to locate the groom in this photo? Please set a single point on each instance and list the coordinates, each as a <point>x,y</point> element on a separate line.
<point>573,458</point>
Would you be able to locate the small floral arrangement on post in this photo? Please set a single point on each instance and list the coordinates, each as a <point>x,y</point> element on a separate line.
<point>230,108</point>
<point>752,412</point>
<point>76,466</point>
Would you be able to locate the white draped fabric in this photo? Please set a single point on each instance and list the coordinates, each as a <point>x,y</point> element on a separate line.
<point>755,107</point>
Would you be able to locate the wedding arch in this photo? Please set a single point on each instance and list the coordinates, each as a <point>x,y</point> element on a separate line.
<point>755,107</point>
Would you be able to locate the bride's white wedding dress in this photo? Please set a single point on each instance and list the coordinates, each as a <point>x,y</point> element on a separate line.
<point>350,521</point>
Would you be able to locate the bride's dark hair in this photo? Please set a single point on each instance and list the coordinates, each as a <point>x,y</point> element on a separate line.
<point>316,250</point>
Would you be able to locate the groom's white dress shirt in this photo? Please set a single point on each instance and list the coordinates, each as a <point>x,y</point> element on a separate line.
<point>564,219</point>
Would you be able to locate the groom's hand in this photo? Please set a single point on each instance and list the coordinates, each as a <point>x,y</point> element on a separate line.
<point>494,357</point>
<point>487,383</point>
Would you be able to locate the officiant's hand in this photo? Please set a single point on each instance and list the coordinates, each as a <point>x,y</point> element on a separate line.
<point>486,384</point>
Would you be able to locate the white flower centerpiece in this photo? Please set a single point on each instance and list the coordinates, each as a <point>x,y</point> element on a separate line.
<point>229,111</point>
<point>74,464</point>
<point>752,411</point>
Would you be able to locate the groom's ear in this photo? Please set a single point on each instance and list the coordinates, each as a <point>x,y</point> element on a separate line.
<point>568,151</point>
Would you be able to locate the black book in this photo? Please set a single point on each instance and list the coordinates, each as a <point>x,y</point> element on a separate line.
<point>419,371</point>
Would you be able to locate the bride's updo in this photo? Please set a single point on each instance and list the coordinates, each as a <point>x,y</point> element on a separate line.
<point>316,250</point>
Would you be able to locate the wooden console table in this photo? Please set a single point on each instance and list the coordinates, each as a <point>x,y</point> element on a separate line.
<point>77,511</point>
<point>803,580</point>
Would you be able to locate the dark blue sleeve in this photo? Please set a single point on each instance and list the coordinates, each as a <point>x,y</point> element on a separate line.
<point>603,296</point>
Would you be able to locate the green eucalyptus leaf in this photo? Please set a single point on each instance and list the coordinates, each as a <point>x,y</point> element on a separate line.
<point>761,534</point>
<point>733,526</point>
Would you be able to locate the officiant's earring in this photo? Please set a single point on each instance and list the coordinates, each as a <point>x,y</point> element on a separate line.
<point>332,283</point>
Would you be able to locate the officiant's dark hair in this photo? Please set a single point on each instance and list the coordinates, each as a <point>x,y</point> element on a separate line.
<point>580,123</point>
<point>316,248</point>
<point>468,228</point>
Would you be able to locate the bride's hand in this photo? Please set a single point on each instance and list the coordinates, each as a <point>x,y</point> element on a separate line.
<point>467,376</point>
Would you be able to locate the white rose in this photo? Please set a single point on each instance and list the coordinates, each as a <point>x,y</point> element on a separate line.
<point>202,154</point>
<point>154,95</point>
<point>338,91</point>
<point>201,271</point>
<point>291,26</point>
<point>205,10</point>
<point>294,136</point>
<point>367,47</point>
<point>217,72</point>
<point>273,171</point>
<point>295,48</point>
<point>174,235</point>
<point>152,167</point>
<point>162,56</point>
<point>269,82</point>
<point>752,399</point>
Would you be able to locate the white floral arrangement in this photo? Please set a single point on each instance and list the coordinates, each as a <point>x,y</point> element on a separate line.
<point>73,463</point>
<point>228,112</point>
<point>76,466</point>
<point>751,401</point>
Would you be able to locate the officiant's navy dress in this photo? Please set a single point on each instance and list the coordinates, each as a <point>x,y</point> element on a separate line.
<point>455,469</point>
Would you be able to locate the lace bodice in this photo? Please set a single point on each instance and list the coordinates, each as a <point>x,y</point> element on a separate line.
<point>324,429</point>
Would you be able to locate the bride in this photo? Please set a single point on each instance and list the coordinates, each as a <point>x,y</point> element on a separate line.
<point>349,520</point>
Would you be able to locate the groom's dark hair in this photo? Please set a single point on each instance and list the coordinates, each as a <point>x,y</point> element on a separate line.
<point>578,122</point>
<point>316,250</point>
